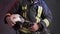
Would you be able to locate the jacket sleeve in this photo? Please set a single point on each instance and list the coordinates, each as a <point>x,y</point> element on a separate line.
<point>14,10</point>
<point>46,15</point>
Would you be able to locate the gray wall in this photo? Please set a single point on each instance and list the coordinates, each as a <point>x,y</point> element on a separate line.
<point>52,4</point>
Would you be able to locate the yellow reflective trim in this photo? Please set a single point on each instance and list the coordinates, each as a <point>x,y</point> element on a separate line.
<point>24,15</point>
<point>37,19</point>
<point>47,22</point>
<point>25,30</point>
<point>24,7</point>
<point>39,14</point>
<point>39,11</point>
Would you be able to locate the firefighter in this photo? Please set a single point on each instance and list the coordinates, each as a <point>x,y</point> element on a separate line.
<point>35,11</point>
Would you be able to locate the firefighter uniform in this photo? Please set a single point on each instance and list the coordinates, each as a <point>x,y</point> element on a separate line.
<point>36,12</point>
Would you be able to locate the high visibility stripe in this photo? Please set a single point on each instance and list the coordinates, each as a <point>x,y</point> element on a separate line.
<point>37,18</point>
<point>39,14</point>
<point>47,22</point>
<point>24,15</point>
<point>24,7</point>
<point>25,30</point>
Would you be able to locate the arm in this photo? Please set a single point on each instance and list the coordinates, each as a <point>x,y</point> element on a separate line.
<point>45,18</point>
<point>46,15</point>
<point>13,11</point>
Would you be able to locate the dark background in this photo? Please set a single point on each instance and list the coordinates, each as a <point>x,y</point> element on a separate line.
<point>54,6</point>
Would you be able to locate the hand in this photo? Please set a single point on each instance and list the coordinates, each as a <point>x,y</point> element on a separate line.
<point>35,27</point>
<point>12,19</point>
<point>10,23</point>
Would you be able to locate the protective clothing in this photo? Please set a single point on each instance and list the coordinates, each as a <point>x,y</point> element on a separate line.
<point>33,11</point>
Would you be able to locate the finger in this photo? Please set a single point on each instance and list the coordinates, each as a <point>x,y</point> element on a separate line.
<point>11,19</point>
<point>10,22</point>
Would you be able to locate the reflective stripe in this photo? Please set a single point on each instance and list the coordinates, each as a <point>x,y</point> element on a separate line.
<point>25,30</point>
<point>47,22</point>
<point>38,19</point>
<point>24,15</point>
<point>24,7</point>
<point>39,14</point>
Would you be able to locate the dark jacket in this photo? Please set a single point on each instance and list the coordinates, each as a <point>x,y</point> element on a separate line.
<point>36,12</point>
